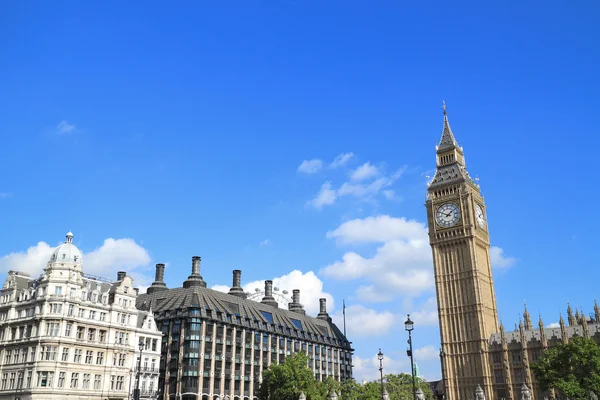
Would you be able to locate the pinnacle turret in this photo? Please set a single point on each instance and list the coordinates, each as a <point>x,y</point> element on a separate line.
<point>527,318</point>
<point>447,142</point>
<point>570,316</point>
<point>596,311</point>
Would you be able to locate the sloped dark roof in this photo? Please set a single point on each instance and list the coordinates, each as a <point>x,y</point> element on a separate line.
<point>175,302</point>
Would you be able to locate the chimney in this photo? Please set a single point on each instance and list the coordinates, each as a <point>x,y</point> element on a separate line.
<point>196,265</point>
<point>121,275</point>
<point>236,288</point>
<point>159,278</point>
<point>295,305</point>
<point>137,290</point>
<point>195,279</point>
<point>323,310</point>
<point>269,299</point>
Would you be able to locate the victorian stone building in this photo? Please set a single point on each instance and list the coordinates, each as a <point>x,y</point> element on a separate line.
<point>477,353</point>
<point>66,334</point>
<point>219,344</point>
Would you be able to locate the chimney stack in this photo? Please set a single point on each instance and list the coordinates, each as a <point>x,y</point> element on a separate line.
<point>121,275</point>
<point>295,305</point>
<point>236,288</point>
<point>195,279</point>
<point>159,278</point>
<point>323,310</point>
<point>137,290</point>
<point>269,299</point>
<point>196,265</point>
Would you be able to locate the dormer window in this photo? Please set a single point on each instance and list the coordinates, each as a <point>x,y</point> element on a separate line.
<point>75,258</point>
<point>126,289</point>
<point>64,256</point>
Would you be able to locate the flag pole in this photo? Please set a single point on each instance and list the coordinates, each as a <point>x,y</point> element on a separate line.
<point>344,312</point>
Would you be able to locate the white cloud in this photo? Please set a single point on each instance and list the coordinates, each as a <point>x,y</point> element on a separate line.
<point>371,294</point>
<point>390,195</point>
<point>326,196</point>
<point>553,325</point>
<point>114,255</point>
<point>426,314</point>
<point>310,166</point>
<point>341,159</point>
<point>265,242</point>
<point>364,191</point>
<point>427,353</point>
<point>402,264</point>
<point>499,260</point>
<point>366,322</point>
<point>32,261</point>
<point>368,368</point>
<point>365,171</point>
<point>381,228</point>
<point>310,286</point>
<point>395,362</point>
<point>65,127</point>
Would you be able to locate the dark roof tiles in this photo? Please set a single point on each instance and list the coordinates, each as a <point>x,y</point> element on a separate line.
<point>166,301</point>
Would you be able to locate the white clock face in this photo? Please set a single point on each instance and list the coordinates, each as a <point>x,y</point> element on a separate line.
<point>479,217</point>
<point>447,215</point>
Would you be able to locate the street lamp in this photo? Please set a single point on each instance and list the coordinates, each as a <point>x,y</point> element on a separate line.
<point>409,326</point>
<point>380,357</point>
<point>136,393</point>
<point>442,355</point>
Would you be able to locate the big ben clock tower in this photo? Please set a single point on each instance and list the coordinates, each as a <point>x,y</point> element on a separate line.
<point>458,234</point>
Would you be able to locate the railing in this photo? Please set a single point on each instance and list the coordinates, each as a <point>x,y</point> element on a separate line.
<point>97,278</point>
<point>146,369</point>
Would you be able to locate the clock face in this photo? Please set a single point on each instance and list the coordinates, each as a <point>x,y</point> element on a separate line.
<point>479,217</point>
<point>447,215</point>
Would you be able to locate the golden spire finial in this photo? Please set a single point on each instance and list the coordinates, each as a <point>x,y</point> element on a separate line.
<point>444,106</point>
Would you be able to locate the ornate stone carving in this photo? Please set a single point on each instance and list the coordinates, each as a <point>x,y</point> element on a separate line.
<point>525,393</point>
<point>479,395</point>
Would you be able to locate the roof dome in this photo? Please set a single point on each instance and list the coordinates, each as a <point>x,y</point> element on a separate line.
<point>67,252</point>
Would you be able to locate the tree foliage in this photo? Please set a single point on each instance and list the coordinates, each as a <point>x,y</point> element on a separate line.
<point>572,368</point>
<point>287,380</point>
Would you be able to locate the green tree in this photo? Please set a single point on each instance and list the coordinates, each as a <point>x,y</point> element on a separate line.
<point>400,387</point>
<point>572,368</point>
<point>287,380</point>
<point>350,390</point>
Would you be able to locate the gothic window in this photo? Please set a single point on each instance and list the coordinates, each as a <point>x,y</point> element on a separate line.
<point>516,356</point>
<point>499,376</point>
<point>518,375</point>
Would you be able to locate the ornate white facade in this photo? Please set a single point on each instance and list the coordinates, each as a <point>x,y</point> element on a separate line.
<point>67,334</point>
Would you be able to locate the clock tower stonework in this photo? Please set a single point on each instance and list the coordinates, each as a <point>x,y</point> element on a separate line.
<point>459,238</point>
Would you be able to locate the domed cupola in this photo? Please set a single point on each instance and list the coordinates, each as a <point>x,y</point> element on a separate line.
<point>67,252</point>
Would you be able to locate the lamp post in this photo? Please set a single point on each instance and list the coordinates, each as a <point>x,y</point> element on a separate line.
<point>380,357</point>
<point>442,355</point>
<point>409,326</point>
<point>136,393</point>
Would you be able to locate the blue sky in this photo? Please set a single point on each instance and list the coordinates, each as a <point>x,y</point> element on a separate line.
<point>157,132</point>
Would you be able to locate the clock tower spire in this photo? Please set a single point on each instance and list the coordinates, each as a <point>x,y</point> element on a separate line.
<point>458,234</point>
